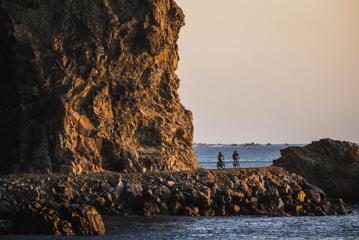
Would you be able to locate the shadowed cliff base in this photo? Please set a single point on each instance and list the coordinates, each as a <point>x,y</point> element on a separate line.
<point>91,85</point>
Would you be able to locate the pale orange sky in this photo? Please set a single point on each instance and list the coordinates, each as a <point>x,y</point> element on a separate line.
<point>271,70</point>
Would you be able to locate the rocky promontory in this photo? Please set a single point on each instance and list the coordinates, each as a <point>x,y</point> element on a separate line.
<point>331,165</point>
<point>261,191</point>
<point>90,85</point>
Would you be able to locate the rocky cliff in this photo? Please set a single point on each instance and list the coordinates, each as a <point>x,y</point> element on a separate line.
<point>88,85</point>
<point>331,165</point>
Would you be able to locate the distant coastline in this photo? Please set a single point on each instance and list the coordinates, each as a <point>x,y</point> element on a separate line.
<point>248,144</point>
<point>244,144</point>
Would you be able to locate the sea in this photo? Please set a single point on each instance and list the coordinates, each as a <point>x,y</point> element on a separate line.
<point>232,227</point>
<point>251,155</point>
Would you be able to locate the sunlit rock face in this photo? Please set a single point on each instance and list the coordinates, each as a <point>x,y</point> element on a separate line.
<point>88,85</point>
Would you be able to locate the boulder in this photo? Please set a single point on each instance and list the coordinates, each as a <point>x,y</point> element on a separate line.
<point>85,220</point>
<point>245,189</point>
<point>331,165</point>
<point>234,209</point>
<point>63,192</point>
<point>58,220</point>
<point>5,226</point>
<point>164,193</point>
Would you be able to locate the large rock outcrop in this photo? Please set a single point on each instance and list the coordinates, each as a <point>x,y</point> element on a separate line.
<point>89,85</point>
<point>331,165</point>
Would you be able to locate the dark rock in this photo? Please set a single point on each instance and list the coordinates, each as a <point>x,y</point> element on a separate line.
<point>331,165</point>
<point>150,209</point>
<point>207,212</point>
<point>245,189</point>
<point>5,209</point>
<point>58,220</point>
<point>341,207</point>
<point>42,220</point>
<point>85,220</point>
<point>176,208</point>
<point>309,186</point>
<point>192,211</point>
<point>164,209</point>
<point>164,193</point>
<point>313,196</point>
<point>237,197</point>
<point>235,209</point>
<point>5,226</point>
<point>63,192</point>
<point>133,189</point>
<point>203,200</point>
<point>101,201</point>
<point>205,190</point>
<point>221,210</point>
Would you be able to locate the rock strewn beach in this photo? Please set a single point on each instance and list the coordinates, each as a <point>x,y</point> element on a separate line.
<point>259,191</point>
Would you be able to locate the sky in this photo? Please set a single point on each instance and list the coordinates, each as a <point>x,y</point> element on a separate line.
<point>279,71</point>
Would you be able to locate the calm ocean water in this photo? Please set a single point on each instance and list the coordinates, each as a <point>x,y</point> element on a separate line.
<point>229,228</point>
<point>251,156</point>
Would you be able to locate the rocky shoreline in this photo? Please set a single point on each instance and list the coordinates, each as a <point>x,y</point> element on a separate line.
<point>68,204</point>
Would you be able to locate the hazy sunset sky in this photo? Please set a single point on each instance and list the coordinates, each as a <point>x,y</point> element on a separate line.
<point>280,71</point>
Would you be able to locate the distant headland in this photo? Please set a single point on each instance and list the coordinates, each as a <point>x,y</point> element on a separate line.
<point>241,144</point>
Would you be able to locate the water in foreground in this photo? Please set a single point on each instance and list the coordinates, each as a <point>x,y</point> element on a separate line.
<point>242,227</point>
<point>157,228</point>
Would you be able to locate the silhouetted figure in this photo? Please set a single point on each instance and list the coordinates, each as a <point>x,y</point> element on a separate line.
<point>236,158</point>
<point>220,163</point>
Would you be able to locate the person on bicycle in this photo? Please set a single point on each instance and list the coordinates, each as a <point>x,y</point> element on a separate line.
<point>236,158</point>
<point>220,163</point>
